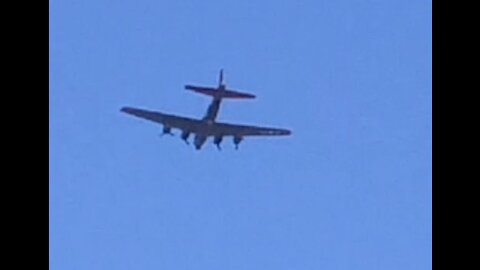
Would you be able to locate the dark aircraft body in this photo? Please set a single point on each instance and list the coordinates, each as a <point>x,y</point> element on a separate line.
<point>207,126</point>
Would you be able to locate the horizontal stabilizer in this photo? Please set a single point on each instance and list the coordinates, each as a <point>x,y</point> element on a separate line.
<point>219,93</point>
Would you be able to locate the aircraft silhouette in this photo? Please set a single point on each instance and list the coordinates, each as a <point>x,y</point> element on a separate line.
<point>207,126</point>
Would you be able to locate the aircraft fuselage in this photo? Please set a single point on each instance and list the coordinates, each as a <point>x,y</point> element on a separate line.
<point>209,118</point>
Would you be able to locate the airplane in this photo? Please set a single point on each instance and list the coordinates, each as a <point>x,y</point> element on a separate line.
<point>207,126</point>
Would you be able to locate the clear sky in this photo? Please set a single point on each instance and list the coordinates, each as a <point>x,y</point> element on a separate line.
<point>350,189</point>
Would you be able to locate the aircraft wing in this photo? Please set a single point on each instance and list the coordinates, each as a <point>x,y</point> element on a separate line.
<point>225,129</point>
<point>183,123</point>
<point>201,127</point>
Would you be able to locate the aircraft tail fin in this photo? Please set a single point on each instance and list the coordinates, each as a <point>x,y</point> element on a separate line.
<point>220,78</point>
<point>221,91</point>
<point>226,93</point>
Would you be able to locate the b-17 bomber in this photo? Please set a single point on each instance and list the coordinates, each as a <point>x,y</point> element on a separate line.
<point>207,126</point>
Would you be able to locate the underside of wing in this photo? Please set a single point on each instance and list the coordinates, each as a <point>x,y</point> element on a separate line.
<point>216,129</point>
<point>225,129</point>
<point>183,123</point>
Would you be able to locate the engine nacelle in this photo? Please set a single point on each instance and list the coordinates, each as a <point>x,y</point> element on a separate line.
<point>167,130</point>
<point>185,135</point>
<point>217,140</point>
<point>237,140</point>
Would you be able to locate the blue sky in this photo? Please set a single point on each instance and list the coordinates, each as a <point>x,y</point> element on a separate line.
<point>350,189</point>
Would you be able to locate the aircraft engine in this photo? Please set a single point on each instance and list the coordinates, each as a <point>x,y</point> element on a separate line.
<point>185,135</point>
<point>217,140</point>
<point>167,130</point>
<point>237,140</point>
